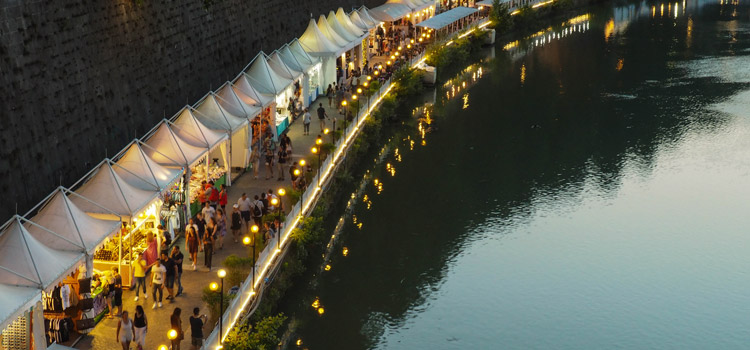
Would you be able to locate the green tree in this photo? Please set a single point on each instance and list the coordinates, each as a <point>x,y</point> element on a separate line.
<point>264,336</point>
<point>500,18</point>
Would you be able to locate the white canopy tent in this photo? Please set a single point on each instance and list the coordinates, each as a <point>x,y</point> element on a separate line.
<point>360,22</point>
<point>209,110</point>
<point>364,12</point>
<point>340,29</point>
<point>263,78</point>
<point>279,66</point>
<point>447,18</point>
<point>248,94</point>
<point>138,169</point>
<point>60,224</point>
<point>234,105</point>
<point>331,35</point>
<point>346,22</point>
<point>195,133</point>
<point>104,192</point>
<point>14,301</point>
<point>295,57</point>
<point>166,148</point>
<point>390,12</point>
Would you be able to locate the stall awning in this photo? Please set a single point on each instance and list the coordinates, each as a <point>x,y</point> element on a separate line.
<point>231,102</point>
<point>139,170</point>
<point>390,12</point>
<point>331,35</point>
<point>209,111</point>
<point>60,224</point>
<point>264,79</point>
<point>192,131</point>
<point>26,262</point>
<point>105,192</point>
<point>316,43</point>
<point>364,12</point>
<point>489,3</point>
<point>360,22</point>
<point>300,55</point>
<point>248,94</point>
<point>276,63</point>
<point>446,18</point>
<point>346,22</point>
<point>337,27</point>
<point>14,301</point>
<point>166,148</point>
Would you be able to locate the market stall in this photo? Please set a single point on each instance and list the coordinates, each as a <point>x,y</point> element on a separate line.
<point>295,57</point>
<point>193,132</point>
<point>266,81</point>
<point>316,44</point>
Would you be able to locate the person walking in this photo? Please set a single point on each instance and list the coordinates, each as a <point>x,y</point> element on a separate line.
<point>125,331</point>
<point>306,119</point>
<point>236,222</point>
<point>322,116</point>
<point>244,204</point>
<point>196,328</point>
<point>109,294</point>
<point>269,163</point>
<point>223,198</point>
<point>329,94</point>
<point>191,241</point>
<point>214,196</point>
<point>141,327</point>
<point>117,298</point>
<point>282,162</point>
<point>208,211</point>
<point>258,208</point>
<point>176,323</point>
<point>157,282</point>
<point>170,274</point>
<point>208,242</point>
<point>177,257</point>
<point>254,157</point>
<point>221,230</point>
<point>139,272</point>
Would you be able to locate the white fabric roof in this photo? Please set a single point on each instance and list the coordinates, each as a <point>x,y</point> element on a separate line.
<point>24,261</point>
<point>248,94</point>
<point>14,301</point>
<point>192,131</point>
<point>65,227</point>
<point>209,111</point>
<point>316,43</point>
<point>357,19</point>
<point>296,49</point>
<point>390,12</point>
<point>290,60</point>
<point>364,12</point>
<point>331,34</point>
<point>111,193</point>
<point>339,28</point>
<point>233,104</point>
<point>420,5</point>
<point>485,3</point>
<point>444,19</point>
<point>263,78</point>
<point>346,22</point>
<point>166,148</point>
<point>278,65</point>
<point>139,170</point>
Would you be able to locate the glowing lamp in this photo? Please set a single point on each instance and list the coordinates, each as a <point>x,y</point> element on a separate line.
<point>246,240</point>
<point>172,334</point>
<point>213,286</point>
<point>254,228</point>
<point>221,273</point>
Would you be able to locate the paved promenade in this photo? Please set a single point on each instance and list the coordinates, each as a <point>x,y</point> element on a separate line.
<point>103,336</point>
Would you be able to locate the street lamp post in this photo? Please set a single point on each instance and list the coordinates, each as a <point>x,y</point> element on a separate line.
<point>281,193</point>
<point>172,335</point>
<point>250,240</point>
<point>354,98</point>
<point>215,287</point>
<point>316,150</point>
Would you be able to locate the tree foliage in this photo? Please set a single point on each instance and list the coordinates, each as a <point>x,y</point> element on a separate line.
<point>264,336</point>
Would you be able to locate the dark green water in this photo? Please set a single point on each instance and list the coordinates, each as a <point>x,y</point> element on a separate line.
<point>590,192</point>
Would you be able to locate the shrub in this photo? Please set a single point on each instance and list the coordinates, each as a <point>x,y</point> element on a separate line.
<point>264,336</point>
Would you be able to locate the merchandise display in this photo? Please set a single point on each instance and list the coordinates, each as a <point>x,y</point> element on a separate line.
<point>215,172</point>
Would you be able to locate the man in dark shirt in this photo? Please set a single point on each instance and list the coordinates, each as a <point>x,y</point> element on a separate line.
<point>171,267</point>
<point>201,223</point>
<point>322,117</point>
<point>176,256</point>
<point>196,328</point>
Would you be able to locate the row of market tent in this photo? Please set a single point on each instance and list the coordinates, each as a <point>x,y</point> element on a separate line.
<point>204,141</point>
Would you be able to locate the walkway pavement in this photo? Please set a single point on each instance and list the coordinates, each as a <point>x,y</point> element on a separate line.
<point>103,336</point>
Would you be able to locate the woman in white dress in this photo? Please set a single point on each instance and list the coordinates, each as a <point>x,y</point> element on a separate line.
<point>125,331</point>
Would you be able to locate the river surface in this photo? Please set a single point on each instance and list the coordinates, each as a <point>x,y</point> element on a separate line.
<point>586,188</point>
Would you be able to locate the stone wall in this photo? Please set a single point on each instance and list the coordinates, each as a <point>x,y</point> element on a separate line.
<point>79,79</point>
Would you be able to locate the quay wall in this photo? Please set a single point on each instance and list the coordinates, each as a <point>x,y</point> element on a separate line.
<point>79,79</point>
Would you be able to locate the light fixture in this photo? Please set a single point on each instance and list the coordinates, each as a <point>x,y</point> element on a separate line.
<point>221,273</point>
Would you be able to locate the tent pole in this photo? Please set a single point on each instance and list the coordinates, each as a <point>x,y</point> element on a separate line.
<point>186,188</point>
<point>229,166</point>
